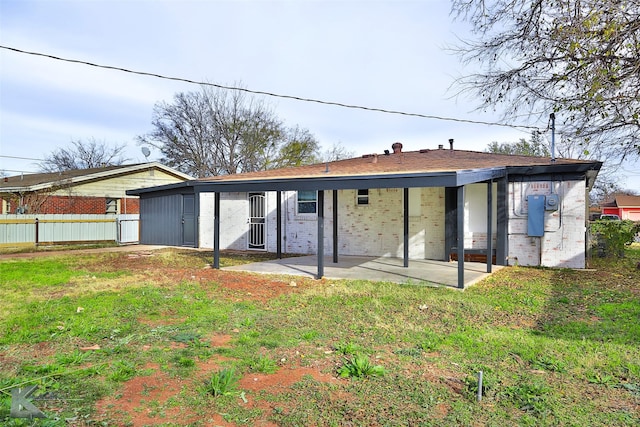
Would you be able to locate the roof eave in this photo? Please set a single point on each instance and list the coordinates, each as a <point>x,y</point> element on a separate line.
<point>97,176</point>
<point>353,182</point>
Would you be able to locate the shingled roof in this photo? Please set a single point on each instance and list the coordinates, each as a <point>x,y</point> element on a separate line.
<point>423,168</point>
<point>423,161</point>
<point>38,181</point>
<point>623,201</point>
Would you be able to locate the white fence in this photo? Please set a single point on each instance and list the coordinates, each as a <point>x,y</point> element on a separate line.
<point>17,230</point>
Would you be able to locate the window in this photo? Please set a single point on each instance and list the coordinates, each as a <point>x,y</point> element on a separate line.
<point>362,197</point>
<point>112,206</point>
<point>307,202</point>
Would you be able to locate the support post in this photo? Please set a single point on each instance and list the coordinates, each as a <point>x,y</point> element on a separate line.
<point>279,224</point>
<point>216,230</point>
<point>489,225</point>
<point>320,250</point>
<point>502,221</point>
<point>406,228</point>
<point>460,237</point>
<point>335,226</point>
<point>196,209</point>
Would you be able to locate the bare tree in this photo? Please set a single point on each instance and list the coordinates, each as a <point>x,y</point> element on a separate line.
<point>83,155</point>
<point>217,132</point>
<point>577,58</point>
<point>338,152</point>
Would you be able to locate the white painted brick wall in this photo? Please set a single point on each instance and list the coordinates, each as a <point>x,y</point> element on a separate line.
<point>563,243</point>
<point>234,211</point>
<point>377,229</point>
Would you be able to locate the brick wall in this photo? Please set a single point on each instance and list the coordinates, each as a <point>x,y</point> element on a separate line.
<point>563,243</point>
<point>129,205</point>
<point>86,205</point>
<point>375,229</point>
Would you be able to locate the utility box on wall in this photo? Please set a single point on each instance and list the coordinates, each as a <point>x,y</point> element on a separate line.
<point>535,215</point>
<point>551,202</point>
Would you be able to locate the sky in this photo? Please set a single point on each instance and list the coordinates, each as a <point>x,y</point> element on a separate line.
<point>391,55</point>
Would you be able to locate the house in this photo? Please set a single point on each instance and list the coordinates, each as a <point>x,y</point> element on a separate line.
<point>624,205</point>
<point>437,204</point>
<point>84,191</point>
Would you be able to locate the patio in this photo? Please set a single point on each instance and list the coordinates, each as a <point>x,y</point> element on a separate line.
<point>374,268</point>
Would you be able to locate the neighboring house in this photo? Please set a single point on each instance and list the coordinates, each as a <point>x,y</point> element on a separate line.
<point>84,191</point>
<point>429,204</point>
<point>623,205</point>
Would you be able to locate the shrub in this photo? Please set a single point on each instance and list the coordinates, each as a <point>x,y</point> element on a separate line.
<point>613,236</point>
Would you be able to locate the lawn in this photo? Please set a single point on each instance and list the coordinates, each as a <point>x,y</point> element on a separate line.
<point>159,338</point>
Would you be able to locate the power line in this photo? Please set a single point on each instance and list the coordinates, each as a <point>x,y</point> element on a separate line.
<point>13,170</point>
<point>271,94</point>
<point>21,158</point>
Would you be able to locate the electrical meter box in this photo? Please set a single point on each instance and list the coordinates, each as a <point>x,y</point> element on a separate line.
<point>535,215</point>
<point>551,202</point>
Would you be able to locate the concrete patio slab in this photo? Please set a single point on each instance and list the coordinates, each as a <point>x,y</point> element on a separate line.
<point>372,268</point>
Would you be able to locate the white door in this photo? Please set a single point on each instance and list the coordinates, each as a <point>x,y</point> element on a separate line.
<point>257,221</point>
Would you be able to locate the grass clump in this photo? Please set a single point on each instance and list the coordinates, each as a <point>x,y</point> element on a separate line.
<point>223,383</point>
<point>359,366</point>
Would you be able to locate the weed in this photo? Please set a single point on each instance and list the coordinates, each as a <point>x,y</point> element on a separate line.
<point>632,388</point>
<point>310,335</point>
<point>222,383</point>
<point>411,352</point>
<point>77,357</point>
<point>601,379</point>
<point>359,366</point>
<point>185,362</point>
<point>122,371</point>
<point>548,363</point>
<point>347,348</point>
<point>186,337</point>
<point>528,396</point>
<point>430,342</point>
<point>264,365</point>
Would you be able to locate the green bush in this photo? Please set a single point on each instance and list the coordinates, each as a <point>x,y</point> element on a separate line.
<point>611,237</point>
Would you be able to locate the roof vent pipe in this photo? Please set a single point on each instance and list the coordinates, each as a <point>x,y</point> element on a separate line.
<point>397,147</point>
<point>451,144</point>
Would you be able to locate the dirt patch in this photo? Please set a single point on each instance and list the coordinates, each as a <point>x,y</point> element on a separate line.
<point>154,399</point>
<point>247,286</point>
<point>144,401</point>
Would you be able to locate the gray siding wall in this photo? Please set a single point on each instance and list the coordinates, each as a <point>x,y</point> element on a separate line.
<point>161,220</point>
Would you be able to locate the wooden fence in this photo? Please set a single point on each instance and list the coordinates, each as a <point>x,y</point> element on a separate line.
<point>21,230</point>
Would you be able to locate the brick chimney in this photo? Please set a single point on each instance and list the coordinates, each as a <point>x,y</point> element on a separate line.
<point>397,147</point>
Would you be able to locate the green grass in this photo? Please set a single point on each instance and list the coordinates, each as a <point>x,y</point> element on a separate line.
<point>557,347</point>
